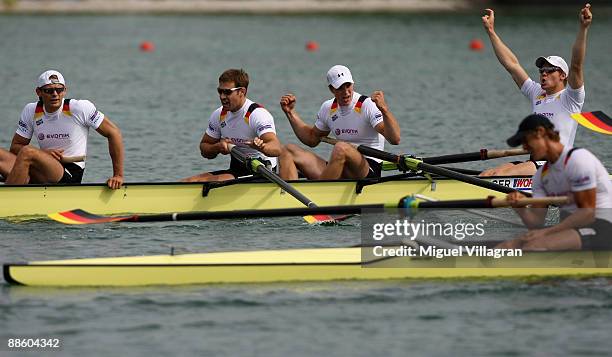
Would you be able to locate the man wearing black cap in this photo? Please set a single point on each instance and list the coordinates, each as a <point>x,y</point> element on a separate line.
<point>551,96</point>
<point>586,222</point>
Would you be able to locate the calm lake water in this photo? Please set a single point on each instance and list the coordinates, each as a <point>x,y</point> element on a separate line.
<point>447,98</point>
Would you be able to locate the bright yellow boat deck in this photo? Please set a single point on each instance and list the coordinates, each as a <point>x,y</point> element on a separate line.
<point>325,264</point>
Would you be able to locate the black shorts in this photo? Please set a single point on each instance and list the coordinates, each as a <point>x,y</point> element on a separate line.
<point>597,235</point>
<point>375,168</point>
<point>237,169</point>
<point>73,173</point>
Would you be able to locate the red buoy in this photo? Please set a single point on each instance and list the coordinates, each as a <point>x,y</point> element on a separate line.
<point>147,46</point>
<point>312,46</point>
<point>476,45</point>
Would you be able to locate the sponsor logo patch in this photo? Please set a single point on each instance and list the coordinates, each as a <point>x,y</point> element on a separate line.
<point>58,136</point>
<point>223,124</point>
<point>585,180</point>
<point>95,116</point>
<point>41,136</point>
<point>264,127</point>
<point>23,125</point>
<point>39,121</point>
<point>334,117</point>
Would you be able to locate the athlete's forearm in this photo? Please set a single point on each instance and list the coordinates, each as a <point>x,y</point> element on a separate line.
<point>116,151</point>
<point>392,130</point>
<point>209,150</point>
<point>16,147</point>
<point>532,217</point>
<point>508,59</point>
<point>576,79</point>
<point>302,130</point>
<point>580,218</point>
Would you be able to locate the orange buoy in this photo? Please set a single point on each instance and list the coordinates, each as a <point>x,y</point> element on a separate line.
<point>312,46</point>
<point>147,46</point>
<point>476,45</point>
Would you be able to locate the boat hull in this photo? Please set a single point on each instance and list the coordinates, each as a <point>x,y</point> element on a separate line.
<point>298,265</point>
<point>33,201</point>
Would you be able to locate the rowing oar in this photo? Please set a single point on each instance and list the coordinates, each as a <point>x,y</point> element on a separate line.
<point>257,166</point>
<point>407,163</point>
<point>483,154</point>
<point>489,202</point>
<point>79,216</point>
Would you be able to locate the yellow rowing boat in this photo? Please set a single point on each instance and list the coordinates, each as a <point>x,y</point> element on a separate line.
<point>321,264</point>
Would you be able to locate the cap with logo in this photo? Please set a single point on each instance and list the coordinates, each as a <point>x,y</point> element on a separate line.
<point>530,123</point>
<point>553,60</point>
<point>50,77</point>
<point>338,75</point>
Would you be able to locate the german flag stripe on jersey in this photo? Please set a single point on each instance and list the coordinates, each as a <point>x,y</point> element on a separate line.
<point>66,107</point>
<point>38,112</point>
<point>360,103</point>
<point>334,107</point>
<point>597,121</point>
<point>251,109</point>
<point>223,115</point>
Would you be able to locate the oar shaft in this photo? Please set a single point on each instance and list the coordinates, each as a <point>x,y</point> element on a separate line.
<point>490,202</point>
<point>483,154</point>
<point>280,212</point>
<point>258,167</point>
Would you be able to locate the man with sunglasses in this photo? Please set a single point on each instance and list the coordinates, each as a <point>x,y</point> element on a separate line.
<point>353,118</point>
<point>586,222</point>
<point>558,94</point>
<point>241,122</point>
<point>61,127</point>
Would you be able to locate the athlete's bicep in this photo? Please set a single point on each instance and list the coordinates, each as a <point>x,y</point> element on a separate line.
<point>586,198</point>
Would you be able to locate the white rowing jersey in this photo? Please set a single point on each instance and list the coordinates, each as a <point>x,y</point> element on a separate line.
<point>249,122</point>
<point>65,129</point>
<point>556,107</point>
<point>578,171</point>
<point>353,123</point>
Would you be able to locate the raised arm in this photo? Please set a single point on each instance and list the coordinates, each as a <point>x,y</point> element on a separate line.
<point>576,78</point>
<point>109,130</point>
<point>503,52</point>
<point>389,128</point>
<point>309,135</point>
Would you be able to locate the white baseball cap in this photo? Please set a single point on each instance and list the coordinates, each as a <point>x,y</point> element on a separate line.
<point>555,61</point>
<point>338,75</point>
<point>45,78</point>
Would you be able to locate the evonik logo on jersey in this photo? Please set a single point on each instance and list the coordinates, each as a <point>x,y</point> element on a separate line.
<point>339,131</point>
<point>60,136</point>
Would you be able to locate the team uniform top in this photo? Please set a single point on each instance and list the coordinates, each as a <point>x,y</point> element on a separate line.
<point>556,107</point>
<point>578,171</point>
<point>65,129</point>
<point>247,123</point>
<point>353,123</point>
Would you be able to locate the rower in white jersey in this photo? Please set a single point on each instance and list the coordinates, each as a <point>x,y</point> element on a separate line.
<point>61,127</point>
<point>558,94</point>
<point>352,118</point>
<point>241,122</point>
<point>586,222</point>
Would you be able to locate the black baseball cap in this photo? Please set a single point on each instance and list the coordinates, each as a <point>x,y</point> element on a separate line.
<point>530,123</point>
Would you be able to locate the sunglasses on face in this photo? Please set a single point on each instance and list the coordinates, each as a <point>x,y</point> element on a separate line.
<point>227,91</point>
<point>549,70</point>
<point>50,91</point>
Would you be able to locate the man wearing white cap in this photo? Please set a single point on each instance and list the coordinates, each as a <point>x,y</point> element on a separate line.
<point>353,118</point>
<point>558,94</point>
<point>61,126</point>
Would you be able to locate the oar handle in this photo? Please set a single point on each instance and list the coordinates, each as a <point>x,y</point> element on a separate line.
<point>256,166</point>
